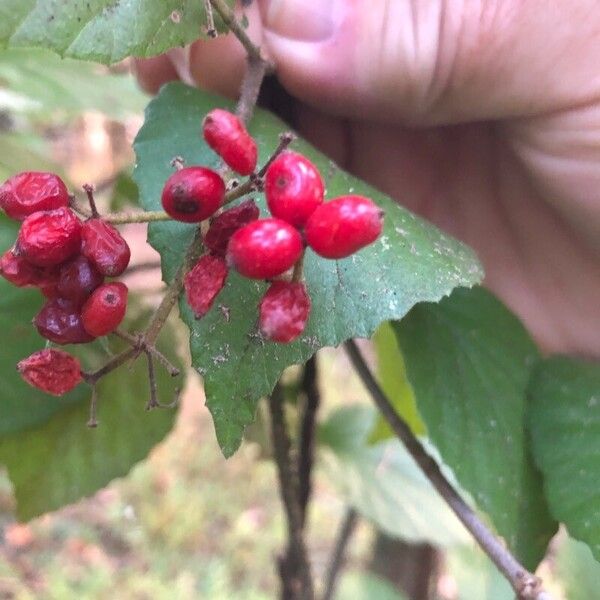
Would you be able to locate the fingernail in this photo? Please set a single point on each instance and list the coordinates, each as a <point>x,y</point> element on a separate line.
<point>301,20</point>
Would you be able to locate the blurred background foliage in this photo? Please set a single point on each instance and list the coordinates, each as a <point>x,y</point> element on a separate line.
<point>183,524</point>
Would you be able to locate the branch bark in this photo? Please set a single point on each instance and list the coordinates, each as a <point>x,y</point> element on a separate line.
<point>294,567</point>
<point>526,585</point>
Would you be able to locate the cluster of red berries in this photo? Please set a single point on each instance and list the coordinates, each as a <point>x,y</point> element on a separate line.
<point>266,248</point>
<point>67,260</point>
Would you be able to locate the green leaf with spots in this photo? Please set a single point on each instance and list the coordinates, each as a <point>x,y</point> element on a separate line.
<point>411,262</point>
<point>565,427</point>
<point>469,361</point>
<point>102,30</point>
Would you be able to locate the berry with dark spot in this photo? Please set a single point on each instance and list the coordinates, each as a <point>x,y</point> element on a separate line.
<point>105,309</point>
<point>193,194</point>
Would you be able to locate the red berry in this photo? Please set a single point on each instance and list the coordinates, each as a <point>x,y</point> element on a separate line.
<point>31,191</point>
<point>60,321</point>
<point>104,246</point>
<point>193,194</point>
<point>49,238</point>
<point>52,371</point>
<point>228,137</point>
<point>341,227</point>
<point>17,270</point>
<point>264,249</point>
<point>77,280</point>
<point>293,188</point>
<point>105,309</point>
<point>223,226</point>
<point>283,311</point>
<point>204,282</point>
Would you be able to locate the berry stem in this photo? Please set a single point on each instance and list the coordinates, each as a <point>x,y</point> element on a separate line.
<point>149,216</point>
<point>211,31</point>
<point>111,365</point>
<point>298,271</point>
<point>88,188</point>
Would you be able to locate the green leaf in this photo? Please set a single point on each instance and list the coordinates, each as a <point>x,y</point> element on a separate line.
<point>102,30</point>
<point>47,84</point>
<point>391,372</point>
<point>579,573</point>
<point>413,261</point>
<point>366,586</point>
<point>565,427</point>
<point>59,460</point>
<point>20,151</point>
<point>469,361</point>
<point>382,482</point>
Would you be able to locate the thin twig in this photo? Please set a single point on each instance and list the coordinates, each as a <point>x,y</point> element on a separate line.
<point>256,69</point>
<point>137,341</point>
<point>312,399</point>
<point>111,365</point>
<point>228,17</point>
<point>526,585</point>
<point>147,216</point>
<point>294,566</point>
<point>336,562</point>
<point>88,188</point>
<point>93,420</point>
<point>210,20</point>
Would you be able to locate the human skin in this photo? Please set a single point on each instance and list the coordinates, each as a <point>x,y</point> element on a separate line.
<point>483,116</point>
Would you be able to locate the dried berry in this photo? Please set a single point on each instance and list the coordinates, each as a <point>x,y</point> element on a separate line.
<point>264,249</point>
<point>227,136</point>
<point>341,227</point>
<point>49,238</point>
<point>223,226</point>
<point>60,322</point>
<point>105,309</point>
<point>193,194</point>
<point>204,282</point>
<point>283,311</point>
<point>293,188</point>
<point>32,191</point>
<point>52,371</point>
<point>18,271</point>
<point>104,246</point>
<point>77,280</point>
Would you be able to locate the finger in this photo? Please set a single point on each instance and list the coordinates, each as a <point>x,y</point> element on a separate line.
<point>435,62</point>
<point>154,72</point>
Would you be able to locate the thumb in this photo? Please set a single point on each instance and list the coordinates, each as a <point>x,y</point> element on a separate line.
<point>433,62</point>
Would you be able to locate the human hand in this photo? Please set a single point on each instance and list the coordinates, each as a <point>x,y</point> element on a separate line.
<point>484,117</point>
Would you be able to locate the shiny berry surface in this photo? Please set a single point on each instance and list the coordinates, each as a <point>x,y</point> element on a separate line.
<point>284,311</point>
<point>20,272</point>
<point>294,188</point>
<point>227,136</point>
<point>77,279</point>
<point>32,191</point>
<point>264,249</point>
<point>193,194</point>
<point>341,227</point>
<point>52,371</point>
<point>204,282</point>
<point>223,226</point>
<point>105,309</point>
<point>49,238</point>
<point>104,246</point>
<point>60,322</point>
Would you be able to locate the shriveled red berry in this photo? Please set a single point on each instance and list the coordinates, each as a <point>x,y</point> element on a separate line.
<point>223,226</point>
<point>294,188</point>
<point>264,249</point>
<point>105,309</point>
<point>49,238</point>
<point>204,282</point>
<point>22,273</point>
<point>52,371</point>
<point>193,194</point>
<point>226,135</point>
<point>341,227</point>
<point>104,246</point>
<point>77,279</point>
<point>60,322</point>
<point>283,311</point>
<point>32,191</point>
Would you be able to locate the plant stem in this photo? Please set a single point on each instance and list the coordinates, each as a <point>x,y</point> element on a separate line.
<point>149,216</point>
<point>210,20</point>
<point>256,69</point>
<point>345,531</point>
<point>312,399</point>
<point>111,365</point>
<point>526,585</point>
<point>294,567</point>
